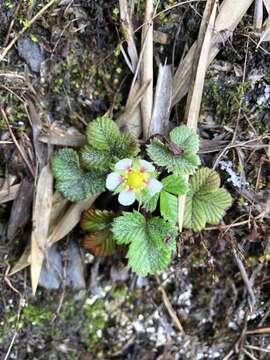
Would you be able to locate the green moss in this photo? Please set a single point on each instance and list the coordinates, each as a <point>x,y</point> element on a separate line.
<point>95,321</point>
<point>35,315</point>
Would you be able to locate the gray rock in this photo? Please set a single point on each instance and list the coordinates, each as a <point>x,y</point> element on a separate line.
<point>31,53</point>
<point>75,268</point>
<point>50,276</point>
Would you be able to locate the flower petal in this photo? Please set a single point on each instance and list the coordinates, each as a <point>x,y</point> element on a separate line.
<point>147,166</point>
<point>126,197</point>
<point>123,164</point>
<point>113,180</point>
<point>154,186</point>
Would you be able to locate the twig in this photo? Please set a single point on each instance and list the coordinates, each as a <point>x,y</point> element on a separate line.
<point>17,144</point>
<point>169,307</point>
<point>15,39</point>
<point>249,355</point>
<point>245,279</point>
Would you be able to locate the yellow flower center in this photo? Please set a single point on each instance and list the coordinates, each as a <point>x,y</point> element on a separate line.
<point>136,180</point>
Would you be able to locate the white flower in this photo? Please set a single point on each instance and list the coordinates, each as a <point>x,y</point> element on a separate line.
<point>130,178</point>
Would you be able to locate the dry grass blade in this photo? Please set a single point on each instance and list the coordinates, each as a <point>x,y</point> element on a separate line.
<point>59,205</point>
<point>23,262</point>
<point>69,220</point>
<point>9,194</point>
<point>60,137</point>
<point>195,94</point>
<point>147,67</point>
<point>182,77</point>
<point>21,209</point>
<point>130,120</point>
<point>266,33</point>
<point>128,31</point>
<point>258,15</point>
<point>267,5</point>
<point>259,331</point>
<point>232,12</point>
<point>41,221</point>
<point>162,104</point>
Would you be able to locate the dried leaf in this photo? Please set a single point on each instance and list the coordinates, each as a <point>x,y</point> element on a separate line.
<point>231,13</point>
<point>266,33</point>
<point>267,5</point>
<point>23,262</point>
<point>9,194</point>
<point>182,77</point>
<point>70,219</point>
<point>258,15</point>
<point>129,34</point>
<point>147,67</point>
<point>161,112</point>
<point>41,220</point>
<point>60,137</point>
<point>21,209</point>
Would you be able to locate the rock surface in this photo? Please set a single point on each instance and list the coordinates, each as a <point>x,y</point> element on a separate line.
<point>31,53</point>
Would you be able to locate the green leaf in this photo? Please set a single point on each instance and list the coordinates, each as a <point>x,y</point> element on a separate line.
<point>168,206</point>
<point>205,201</point>
<point>185,138</point>
<point>93,159</point>
<point>94,219</point>
<point>183,164</point>
<point>128,226</point>
<point>151,241</point>
<point>102,132</point>
<point>175,184</point>
<point>74,183</point>
<point>106,145</point>
<point>150,202</point>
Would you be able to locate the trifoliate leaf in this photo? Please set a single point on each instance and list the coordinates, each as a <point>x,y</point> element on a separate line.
<point>128,226</point>
<point>175,184</point>
<point>102,132</point>
<point>205,180</point>
<point>205,201</point>
<point>150,202</point>
<point>100,243</point>
<point>185,163</point>
<point>95,220</point>
<point>168,206</point>
<point>151,241</point>
<point>106,145</point>
<point>93,159</point>
<point>185,138</point>
<point>74,183</point>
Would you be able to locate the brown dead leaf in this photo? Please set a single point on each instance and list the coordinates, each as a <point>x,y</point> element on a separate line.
<point>21,208</point>
<point>41,221</point>
<point>9,194</point>
<point>70,219</point>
